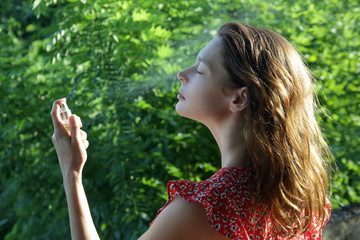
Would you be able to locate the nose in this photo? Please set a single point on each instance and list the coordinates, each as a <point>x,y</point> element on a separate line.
<point>182,77</point>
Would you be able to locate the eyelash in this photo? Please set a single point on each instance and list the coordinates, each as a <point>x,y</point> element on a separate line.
<point>198,72</point>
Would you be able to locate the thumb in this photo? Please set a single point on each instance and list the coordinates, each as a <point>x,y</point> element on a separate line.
<point>74,123</point>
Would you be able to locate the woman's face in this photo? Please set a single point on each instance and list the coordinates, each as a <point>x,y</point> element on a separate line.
<point>201,95</point>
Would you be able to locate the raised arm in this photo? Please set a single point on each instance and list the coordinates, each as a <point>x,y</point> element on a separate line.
<point>71,151</point>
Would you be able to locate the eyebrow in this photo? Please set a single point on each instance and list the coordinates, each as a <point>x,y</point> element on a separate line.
<point>204,61</point>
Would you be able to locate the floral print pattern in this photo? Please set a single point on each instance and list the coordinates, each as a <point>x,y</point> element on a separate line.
<point>227,197</point>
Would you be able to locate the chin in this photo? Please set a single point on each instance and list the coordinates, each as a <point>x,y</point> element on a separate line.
<point>185,114</point>
<point>179,110</point>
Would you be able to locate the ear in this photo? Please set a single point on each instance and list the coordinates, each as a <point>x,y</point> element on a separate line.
<point>239,100</point>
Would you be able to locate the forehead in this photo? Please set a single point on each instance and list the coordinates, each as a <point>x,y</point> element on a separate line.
<point>212,52</point>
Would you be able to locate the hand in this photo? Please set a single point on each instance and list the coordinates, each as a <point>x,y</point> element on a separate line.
<point>70,146</point>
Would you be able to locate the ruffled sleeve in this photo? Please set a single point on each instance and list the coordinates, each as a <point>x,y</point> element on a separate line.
<point>216,194</point>
<point>205,193</point>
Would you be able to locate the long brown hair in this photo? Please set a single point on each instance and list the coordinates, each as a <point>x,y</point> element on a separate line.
<point>282,136</point>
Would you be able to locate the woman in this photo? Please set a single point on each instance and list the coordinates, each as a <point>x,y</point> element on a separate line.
<point>251,88</point>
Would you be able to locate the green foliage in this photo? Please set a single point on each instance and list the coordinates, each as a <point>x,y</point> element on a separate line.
<point>116,62</point>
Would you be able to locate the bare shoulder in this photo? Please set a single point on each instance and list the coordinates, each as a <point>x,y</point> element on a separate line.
<point>182,220</point>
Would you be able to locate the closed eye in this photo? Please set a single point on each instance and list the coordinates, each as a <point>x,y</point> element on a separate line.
<point>198,72</point>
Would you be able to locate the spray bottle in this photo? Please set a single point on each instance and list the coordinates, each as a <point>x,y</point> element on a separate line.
<point>65,114</point>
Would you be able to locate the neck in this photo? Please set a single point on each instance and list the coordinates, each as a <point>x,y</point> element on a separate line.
<point>229,137</point>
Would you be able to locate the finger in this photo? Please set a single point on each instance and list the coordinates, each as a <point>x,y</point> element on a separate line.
<point>83,134</point>
<point>55,115</point>
<point>86,143</point>
<point>80,122</point>
<point>75,129</point>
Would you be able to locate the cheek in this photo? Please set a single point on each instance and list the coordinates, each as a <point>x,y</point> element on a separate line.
<point>203,102</point>
<point>213,104</point>
<point>210,97</point>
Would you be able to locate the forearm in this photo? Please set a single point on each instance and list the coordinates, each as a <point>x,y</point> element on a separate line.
<point>81,223</point>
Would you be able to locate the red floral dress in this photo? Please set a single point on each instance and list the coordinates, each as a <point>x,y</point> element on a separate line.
<point>227,198</point>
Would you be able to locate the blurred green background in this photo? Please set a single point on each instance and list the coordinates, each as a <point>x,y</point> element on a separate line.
<point>116,62</point>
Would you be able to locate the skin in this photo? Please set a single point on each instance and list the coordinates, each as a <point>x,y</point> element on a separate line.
<point>204,97</point>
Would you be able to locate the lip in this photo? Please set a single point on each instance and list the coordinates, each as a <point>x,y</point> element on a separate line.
<point>180,96</point>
